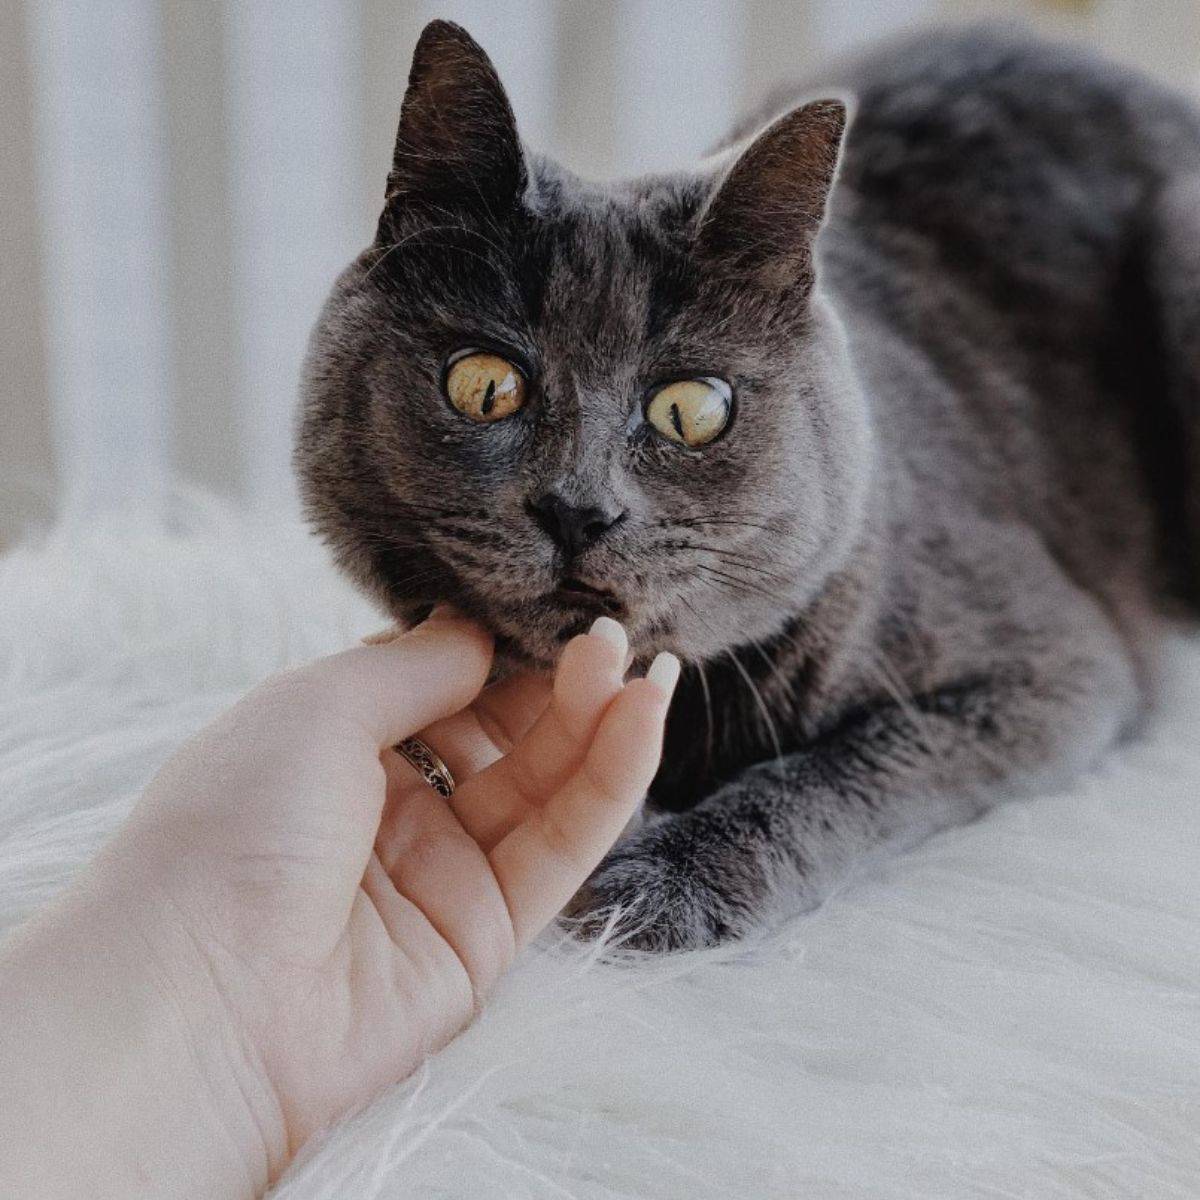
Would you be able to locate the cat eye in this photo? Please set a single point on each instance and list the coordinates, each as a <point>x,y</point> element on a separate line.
<point>691,411</point>
<point>484,387</point>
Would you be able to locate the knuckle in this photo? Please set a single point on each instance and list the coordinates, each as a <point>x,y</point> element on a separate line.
<point>431,847</point>
<point>600,785</point>
<point>559,839</point>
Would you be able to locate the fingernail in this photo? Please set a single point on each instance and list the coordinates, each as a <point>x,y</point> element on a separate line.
<point>611,631</point>
<point>443,612</point>
<point>664,672</point>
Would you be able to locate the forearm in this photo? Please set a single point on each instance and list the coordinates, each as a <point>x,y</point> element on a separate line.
<point>116,1080</point>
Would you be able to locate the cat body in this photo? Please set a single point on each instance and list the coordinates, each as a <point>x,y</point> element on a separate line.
<point>927,563</point>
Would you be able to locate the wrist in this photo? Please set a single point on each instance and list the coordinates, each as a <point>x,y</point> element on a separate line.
<point>121,1070</point>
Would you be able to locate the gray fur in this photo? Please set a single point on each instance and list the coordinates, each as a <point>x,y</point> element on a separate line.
<point>927,565</point>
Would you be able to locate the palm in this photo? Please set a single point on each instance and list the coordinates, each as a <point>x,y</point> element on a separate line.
<point>453,888</point>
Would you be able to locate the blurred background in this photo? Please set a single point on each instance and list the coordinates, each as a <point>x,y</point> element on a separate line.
<point>180,180</point>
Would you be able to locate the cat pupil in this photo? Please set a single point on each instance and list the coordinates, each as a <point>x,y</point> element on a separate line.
<point>489,397</point>
<point>676,419</point>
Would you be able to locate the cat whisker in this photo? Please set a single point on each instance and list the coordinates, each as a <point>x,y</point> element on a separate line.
<point>738,560</point>
<point>442,510</point>
<point>694,522</point>
<point>787,686</point>
<point>415,579</point>
<point>768,721</point>
<point>744,586</point>
<point>702,675</point>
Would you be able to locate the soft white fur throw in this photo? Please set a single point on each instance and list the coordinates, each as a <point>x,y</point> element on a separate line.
<point>1012,1010</point>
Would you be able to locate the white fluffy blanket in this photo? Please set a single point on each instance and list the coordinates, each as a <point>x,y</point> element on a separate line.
<point>1013,1010</point>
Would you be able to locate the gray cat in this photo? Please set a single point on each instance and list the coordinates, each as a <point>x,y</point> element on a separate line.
<point>893,439</point>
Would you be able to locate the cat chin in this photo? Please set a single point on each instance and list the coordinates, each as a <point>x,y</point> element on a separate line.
<point>512,658</point>
<point>513,655</point>
<point>536,645</point>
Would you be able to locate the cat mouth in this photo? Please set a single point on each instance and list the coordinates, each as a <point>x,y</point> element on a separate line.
<point>553,619</point>
<point>579,594</point>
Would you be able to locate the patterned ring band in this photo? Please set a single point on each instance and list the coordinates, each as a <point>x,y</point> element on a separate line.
<point>427,764</point>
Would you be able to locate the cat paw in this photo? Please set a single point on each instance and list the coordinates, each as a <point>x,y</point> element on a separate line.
<point>667,889</point>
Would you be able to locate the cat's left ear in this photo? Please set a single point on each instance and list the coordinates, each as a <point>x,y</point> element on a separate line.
<point>766,211</point>
<point>457,145</point>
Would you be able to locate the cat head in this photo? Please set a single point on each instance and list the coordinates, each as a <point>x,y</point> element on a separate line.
<point>544,399</point>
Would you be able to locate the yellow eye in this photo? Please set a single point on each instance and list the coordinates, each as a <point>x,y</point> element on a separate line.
<point>485,387</point>
<point>692,411</point>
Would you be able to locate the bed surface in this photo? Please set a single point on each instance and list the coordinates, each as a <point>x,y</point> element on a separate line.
<point>1012,1010</point>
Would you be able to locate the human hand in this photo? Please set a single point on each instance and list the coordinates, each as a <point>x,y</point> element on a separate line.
<point>309,919</point>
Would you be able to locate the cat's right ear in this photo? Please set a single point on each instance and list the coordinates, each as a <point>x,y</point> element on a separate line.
<point>457,145</point>
<point>767,210</point>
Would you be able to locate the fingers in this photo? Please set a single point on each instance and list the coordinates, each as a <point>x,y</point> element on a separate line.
<point>542,862</point>
<point>473,739</point>
<point>589,675</point>
<point>434,865</point>
<point>508,710</point>
<point>429,859</point>
<point>391,690</point>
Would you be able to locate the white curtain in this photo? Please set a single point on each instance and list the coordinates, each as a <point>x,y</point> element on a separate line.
<point>201,170</point>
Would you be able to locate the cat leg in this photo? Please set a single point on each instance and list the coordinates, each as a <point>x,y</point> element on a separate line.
<point>779,837</point>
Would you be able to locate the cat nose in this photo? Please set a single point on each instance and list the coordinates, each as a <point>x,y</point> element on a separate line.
<point>573,527</point>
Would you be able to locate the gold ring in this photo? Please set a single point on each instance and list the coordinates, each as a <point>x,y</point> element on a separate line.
<point>427,764</point>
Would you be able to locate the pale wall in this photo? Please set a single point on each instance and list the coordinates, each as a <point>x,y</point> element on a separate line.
<point>268,155</point>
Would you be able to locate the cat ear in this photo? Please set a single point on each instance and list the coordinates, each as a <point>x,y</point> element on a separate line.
<point>457,145</point>
<point>763,217</point>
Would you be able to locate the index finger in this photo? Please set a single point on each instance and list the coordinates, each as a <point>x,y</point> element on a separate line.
<point>392,690</point>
